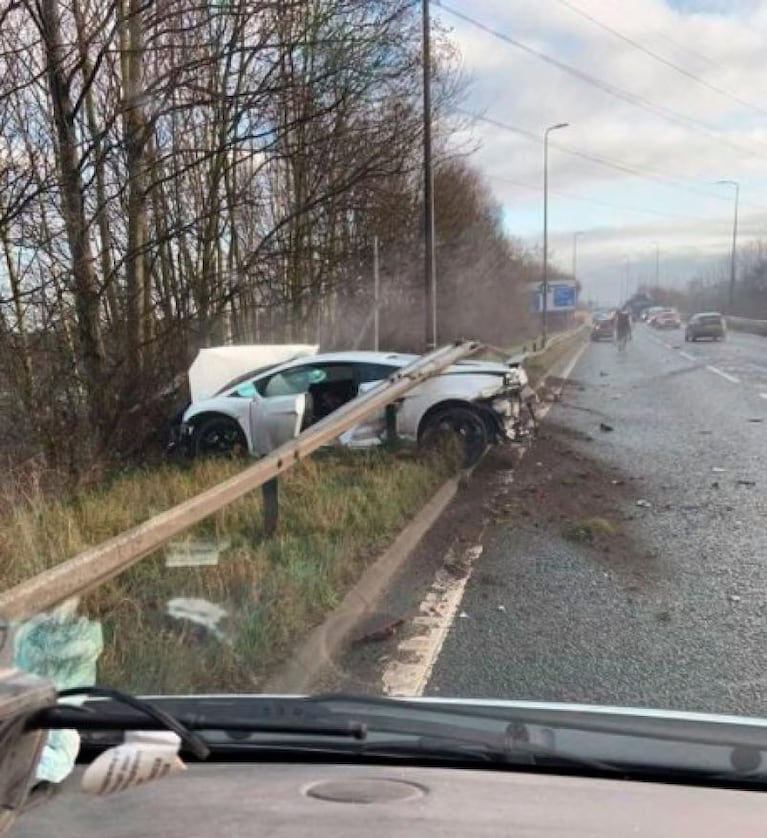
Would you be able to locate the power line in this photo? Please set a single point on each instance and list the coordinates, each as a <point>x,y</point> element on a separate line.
<point>657,57</point>
<point>615,165</point>
<point>605,86</point>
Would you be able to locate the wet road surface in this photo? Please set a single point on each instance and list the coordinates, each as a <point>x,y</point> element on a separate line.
<point>676,618</point>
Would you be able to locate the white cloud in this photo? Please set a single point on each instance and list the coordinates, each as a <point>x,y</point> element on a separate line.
<point>722,43</point>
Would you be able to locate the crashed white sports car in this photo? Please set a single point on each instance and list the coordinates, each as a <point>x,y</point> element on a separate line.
<point>255,398</point>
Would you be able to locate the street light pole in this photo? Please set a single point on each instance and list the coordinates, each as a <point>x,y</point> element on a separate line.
<point>544,314</point>
<point>430,267</point>
<point>576,236</point>
<point>734,238</point>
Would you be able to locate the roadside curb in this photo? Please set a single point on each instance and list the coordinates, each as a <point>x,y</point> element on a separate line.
<point>324,642</point>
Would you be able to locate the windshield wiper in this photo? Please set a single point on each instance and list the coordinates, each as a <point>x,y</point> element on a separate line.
<point>90,719</point>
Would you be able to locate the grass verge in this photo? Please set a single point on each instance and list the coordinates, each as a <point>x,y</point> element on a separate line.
<point>338,510</point>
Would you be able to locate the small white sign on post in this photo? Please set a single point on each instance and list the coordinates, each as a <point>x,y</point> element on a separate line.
<point>195,552</point>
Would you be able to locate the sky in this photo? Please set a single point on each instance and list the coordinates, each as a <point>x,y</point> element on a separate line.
<point>662,97</point>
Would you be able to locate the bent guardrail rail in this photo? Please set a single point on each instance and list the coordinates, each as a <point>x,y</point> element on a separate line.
<point>84,572</point>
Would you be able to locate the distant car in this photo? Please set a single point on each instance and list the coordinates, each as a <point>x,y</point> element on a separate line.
<point>667,319</point>
<point>603,326</point>
<point>649,313</point>
<point>256,398</point>
<point>706,324</point>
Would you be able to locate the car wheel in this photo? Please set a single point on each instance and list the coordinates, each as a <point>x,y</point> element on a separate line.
<point>461,423</point>
<point>218,436</point>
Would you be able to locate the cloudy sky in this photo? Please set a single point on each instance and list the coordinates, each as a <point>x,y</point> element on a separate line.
<point>663,97</point>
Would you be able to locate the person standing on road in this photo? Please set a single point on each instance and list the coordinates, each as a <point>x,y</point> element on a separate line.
<point>623,328</point>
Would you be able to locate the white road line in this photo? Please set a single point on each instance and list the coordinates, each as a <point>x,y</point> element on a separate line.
<point>408,673</point>
<point>687,355</point>
<point>724,375</point>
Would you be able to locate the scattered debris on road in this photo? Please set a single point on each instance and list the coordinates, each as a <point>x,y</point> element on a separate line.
<point>745,482</point>
<point>502,608</point>
<point>380,635</point>
<point>733,597</point>
<point>645,504</point>
<point>717,470</point>
<point>756,420</point>
<point>463,615</point>
<point>603,426</point>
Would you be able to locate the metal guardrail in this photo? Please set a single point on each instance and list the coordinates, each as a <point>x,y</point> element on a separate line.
<point>91,568</point>
<point>556,339</point>
<point>746,324</point>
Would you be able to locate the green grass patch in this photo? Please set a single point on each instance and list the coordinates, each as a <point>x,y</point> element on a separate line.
<point>588,529</point>
<point>337,512</point>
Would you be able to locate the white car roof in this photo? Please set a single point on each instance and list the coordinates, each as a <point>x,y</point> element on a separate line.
<point>393,359</point>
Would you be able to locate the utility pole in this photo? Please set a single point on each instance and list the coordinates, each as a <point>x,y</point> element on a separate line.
<point>576,236</point>
<point>545,311</point>
<point>376,293</point>
<point>430,266</point>
<point>733,256</point>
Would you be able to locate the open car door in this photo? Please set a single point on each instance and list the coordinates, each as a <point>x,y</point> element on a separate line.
<point>370,431</point>
<point>275,421</point>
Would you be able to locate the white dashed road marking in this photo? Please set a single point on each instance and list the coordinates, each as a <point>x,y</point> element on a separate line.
<point>724,375</point>
<point>688,356</point>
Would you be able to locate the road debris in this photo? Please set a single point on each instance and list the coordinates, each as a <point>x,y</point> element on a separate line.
<point>715,484</point>
<point>717,470</point>
<point>380,635</point>
<point>604,374</point>
<point>463,616</point>
<point>756,420</point>
<point>645,504</point>
<point>502,608</point>
<point>603,426</point>
<point>734,597</point>
<point>745,482</point>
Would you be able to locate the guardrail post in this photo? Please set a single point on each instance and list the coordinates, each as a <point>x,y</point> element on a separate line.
<point>391,424</point>
<point>271,501</point>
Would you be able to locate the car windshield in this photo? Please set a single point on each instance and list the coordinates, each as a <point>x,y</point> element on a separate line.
<point>334,360</point>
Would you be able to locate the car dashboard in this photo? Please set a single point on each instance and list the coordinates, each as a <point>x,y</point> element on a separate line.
<point>346,801</point>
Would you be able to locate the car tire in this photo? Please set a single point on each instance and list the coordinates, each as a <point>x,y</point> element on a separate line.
<point>218,436</point>
<point>465,423</point>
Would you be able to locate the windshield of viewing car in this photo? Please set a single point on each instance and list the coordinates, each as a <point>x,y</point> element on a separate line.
<point>200,194</point>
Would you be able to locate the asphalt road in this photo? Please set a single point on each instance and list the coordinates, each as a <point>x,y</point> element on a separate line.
<point>680,621</point>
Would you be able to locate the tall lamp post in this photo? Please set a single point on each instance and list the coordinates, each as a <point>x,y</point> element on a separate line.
<point>430,266</point>
<point>545,312</point>
<point>576,236</point>
<point>734,237</point>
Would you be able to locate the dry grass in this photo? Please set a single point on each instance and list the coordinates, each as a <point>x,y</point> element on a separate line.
<point>337,511</point>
